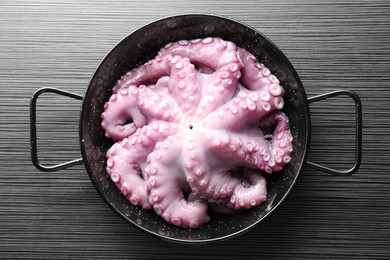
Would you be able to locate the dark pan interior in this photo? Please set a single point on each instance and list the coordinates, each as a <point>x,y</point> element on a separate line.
<point>139,47</point>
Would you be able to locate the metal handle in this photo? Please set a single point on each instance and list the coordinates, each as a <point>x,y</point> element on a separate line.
<point>33,131</point>
<point>358,140</point>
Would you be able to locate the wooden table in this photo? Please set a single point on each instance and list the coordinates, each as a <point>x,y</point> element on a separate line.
<point>332,44</point>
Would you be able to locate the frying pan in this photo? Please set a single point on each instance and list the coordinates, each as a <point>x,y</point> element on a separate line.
<point>141,46</point>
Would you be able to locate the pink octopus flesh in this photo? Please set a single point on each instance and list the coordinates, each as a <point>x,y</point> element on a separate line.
<point>196,127</point>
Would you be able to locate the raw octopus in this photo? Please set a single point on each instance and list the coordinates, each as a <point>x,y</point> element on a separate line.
<point>196,127</point>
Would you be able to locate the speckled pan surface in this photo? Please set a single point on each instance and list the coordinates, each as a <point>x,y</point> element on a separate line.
<point>141,46</point>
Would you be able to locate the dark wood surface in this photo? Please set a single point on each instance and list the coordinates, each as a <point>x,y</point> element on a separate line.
<point>332,44</point>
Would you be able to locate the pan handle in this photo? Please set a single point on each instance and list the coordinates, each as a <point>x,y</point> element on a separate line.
<point>33,131</point>
<point>358,133</point>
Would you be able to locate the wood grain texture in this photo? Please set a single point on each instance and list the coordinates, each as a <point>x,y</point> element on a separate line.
<point>333,44</point>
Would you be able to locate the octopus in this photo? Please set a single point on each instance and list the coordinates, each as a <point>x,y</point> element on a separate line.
<point>196,129</point>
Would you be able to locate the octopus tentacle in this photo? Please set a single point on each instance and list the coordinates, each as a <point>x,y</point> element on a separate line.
<point>157,104</point>
<point>145,74</point>
<point>166,187</point>
<point>125,161</point>
<point>119,110</point>
<point>217,182</point>
<point>248,148</point>
<point>209,164</point>
<point>201,52</point>
<point>269,152</point>
<point>252,191</point>
<point>259,94</point>
<point>254,74</point>
<point>249,106</point>
<point>221,86</point>
<point>247,196</point>
<point>183,85</point>
<point>279,147</point>
<point>251,148</point>
<point>127,174</point>
<point>208,53</point>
